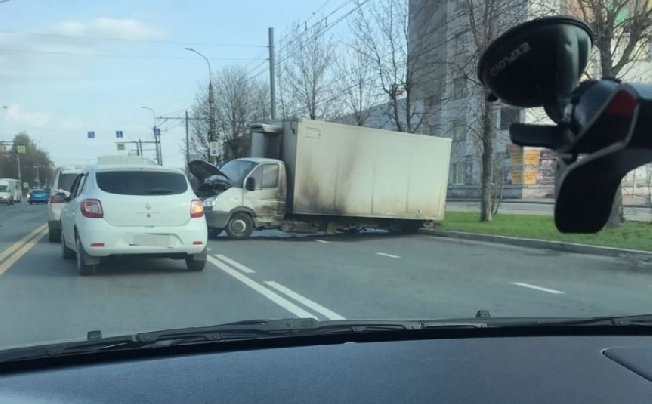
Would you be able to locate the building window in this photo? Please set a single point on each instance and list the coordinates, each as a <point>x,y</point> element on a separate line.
<point>459,132</point>
<point>457,173</point>
<point>509,116</point>
<point>459,88</point>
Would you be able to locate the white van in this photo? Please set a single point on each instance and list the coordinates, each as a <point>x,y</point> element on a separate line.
<point>61,185</point>
<point>10,191</point>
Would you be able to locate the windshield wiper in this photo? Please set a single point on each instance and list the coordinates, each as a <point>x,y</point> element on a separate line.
<point>298,327</point>
<point>259,329</point>
<point>638,320</point>
<point>241,330</point>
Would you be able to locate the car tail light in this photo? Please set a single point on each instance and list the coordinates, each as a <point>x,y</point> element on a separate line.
<point>196,208</point>
<point>91,208</point>
<point>57,199</point>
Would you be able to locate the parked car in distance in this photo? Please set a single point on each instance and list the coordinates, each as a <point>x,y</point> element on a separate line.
<point>60,190</point>
<point>132,209</point>
<point>37,196</point>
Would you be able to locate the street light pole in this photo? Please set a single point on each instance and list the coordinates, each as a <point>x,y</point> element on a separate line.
<point>157,139</point>
<point>211,106</point>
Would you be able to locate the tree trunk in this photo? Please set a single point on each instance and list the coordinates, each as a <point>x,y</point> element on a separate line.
<point>487,160</point>
<point>617,215</point>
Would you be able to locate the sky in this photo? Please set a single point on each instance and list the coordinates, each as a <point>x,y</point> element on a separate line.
<point>72,66</point>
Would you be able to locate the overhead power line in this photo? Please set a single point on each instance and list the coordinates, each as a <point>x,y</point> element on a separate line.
<point>111,55</point>
<point>129,39</point>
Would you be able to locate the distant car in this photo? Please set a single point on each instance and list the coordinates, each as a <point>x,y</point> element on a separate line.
<point>60,190</point>
<point>38,196</point>
<point>132,210</point>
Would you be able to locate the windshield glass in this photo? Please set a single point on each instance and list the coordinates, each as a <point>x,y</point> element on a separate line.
<point>65,181</point>
<point>373,173</point>
<point>237,170</point>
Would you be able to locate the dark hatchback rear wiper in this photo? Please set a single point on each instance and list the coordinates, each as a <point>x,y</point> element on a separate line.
<point>159,191</point>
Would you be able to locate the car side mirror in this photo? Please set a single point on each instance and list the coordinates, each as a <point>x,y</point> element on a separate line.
<point>250,184</point>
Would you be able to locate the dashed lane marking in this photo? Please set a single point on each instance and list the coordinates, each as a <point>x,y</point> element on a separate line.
<point>382,254</point>
<point>539,288</point>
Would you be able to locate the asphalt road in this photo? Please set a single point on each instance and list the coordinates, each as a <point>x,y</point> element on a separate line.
<point>375,276</point>
<point>631,213</point>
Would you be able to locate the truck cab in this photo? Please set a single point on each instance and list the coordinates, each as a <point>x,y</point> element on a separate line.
<point>243,195</point>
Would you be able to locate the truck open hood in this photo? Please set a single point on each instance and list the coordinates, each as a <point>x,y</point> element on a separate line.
<point>203,170</point>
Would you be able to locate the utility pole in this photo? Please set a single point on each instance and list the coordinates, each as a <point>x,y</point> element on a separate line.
<point>272,73</point>
<point>187,143</point>
<point>212,135</point>
<point>20,173</point>
<point>211,122</point>
<point>187,119</point>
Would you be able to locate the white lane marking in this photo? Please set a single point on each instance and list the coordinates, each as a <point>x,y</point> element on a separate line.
<point>235,264</point>
<point>388,255</point>
<point>269,294</point>
<point>539,288</point>
<point>207,248</point>
<point>323,241</point>
<point>305,301</point>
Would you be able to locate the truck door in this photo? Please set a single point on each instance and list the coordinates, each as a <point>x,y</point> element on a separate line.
<point>263,194</point>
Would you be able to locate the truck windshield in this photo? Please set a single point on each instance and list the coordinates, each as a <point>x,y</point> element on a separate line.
<point>237,170</point>
<point>3,188</point>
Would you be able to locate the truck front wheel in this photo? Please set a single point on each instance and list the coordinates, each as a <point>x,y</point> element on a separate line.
<point>240,226</point>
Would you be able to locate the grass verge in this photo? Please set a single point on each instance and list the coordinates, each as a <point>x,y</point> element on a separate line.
<point>632,235</point>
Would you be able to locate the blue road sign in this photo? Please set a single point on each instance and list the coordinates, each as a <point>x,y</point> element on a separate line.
<point>119,134</point>
<point>91,135</point>
<point>157,132</point>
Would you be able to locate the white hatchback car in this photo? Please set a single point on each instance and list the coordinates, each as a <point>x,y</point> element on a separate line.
<point>132,210</point>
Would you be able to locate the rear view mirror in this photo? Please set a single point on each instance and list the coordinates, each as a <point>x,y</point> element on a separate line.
<point>250,184</point>
<point>537,63</point>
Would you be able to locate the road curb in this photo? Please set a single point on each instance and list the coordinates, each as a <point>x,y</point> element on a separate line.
<point>537,202</point>
<point>544,244</point>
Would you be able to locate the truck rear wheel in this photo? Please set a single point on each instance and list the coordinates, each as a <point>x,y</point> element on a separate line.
<point>240,226</point>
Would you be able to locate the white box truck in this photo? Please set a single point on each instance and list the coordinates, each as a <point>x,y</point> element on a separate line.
<point>306,176</point>
<point>10,191</point>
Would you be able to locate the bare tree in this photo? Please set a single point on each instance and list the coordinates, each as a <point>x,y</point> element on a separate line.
<point>306,70</point>
<point>622,32</point>
<point>381,30</point>
<point>239,101</point>
<point>356,85</point>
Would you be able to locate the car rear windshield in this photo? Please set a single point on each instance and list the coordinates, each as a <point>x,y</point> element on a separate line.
<point>141,182</point>
<point>65,181</point>
<point>37,191</point>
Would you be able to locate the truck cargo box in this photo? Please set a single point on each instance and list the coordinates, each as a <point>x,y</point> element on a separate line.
<point>344,170</point>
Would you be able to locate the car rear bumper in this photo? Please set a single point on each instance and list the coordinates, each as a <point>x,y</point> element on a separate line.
<point>54,211</point>
<point>100,239</point>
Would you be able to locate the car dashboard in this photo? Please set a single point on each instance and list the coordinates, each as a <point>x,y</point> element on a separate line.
<point>604,369</point>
